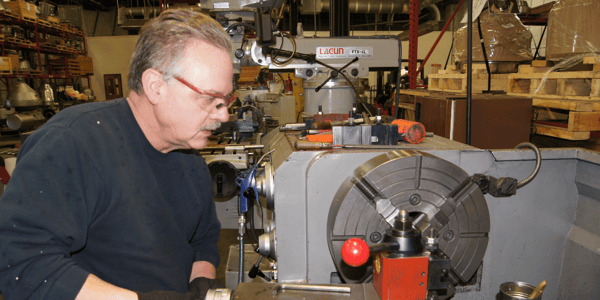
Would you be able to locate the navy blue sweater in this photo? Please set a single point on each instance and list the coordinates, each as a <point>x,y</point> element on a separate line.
<point>91,195</point>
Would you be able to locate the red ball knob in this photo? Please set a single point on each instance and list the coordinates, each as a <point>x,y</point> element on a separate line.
<point>355,252</point>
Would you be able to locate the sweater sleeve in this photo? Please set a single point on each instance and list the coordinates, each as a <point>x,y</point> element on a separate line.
<point>204,242</point>
<point>44,214</point>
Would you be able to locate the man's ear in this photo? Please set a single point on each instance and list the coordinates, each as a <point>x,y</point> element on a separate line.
<point>153,84</point>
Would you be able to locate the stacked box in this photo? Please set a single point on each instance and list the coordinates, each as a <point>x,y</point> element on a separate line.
<point>5,65</point>
<point>52,19</point>
<point>85,64</point>
<point>14,61</point>
<point>25,10</point>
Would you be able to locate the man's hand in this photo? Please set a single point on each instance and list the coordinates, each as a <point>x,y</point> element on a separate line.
<point>200,286</point>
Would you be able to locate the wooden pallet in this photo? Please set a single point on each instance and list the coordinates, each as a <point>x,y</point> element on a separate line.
<point>570,85</point>
<point>29,19</point>
<point>35,73</point>
<point>68,28</point>
<point>560,132</point>
<point>9,14</point>
<point>457,83</point>
<point>578,118</point>
<point>14,40</point>
<point>5,72</point>
<point>44,23</point>
<point>19,41</point>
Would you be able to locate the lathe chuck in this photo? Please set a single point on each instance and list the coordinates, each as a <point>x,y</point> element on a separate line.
<point>434,191</point>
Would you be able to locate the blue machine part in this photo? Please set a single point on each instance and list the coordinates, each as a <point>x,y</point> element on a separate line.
<point>244,181</point>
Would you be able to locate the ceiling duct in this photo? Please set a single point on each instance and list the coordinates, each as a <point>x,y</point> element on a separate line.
<point>365,6</point>
<point>136,17</point>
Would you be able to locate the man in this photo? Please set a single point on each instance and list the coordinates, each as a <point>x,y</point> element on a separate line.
<point>99,205</point>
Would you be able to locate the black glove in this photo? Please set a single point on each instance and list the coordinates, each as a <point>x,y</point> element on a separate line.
<point>167,295</point>
<point>200,286</point>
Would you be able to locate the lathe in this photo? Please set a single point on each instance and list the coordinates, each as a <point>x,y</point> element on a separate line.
<point>434,220</point>
<point>319,199</point>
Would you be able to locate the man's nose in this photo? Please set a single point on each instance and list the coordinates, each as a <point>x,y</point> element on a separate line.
<point>222,114</point>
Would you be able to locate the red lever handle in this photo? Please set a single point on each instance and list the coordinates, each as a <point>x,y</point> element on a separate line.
<point>355,252</point>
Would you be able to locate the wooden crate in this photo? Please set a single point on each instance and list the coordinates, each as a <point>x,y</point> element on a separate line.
<point>25,10</point>
<point>570,85</point>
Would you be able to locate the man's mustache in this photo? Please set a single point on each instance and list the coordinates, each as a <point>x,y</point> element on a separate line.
<point>212,126</point>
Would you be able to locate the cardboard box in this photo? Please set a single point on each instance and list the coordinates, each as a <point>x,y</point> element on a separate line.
<point>573,29</point>
<point>85,64</point>
<point>5,65</point>
<point>14,61</point>
<point>87,67</point>
<point>22,8</point>
<point>83,58</point>
<point>52,19</point>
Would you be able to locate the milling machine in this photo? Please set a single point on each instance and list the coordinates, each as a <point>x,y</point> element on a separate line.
<point>330,69</point>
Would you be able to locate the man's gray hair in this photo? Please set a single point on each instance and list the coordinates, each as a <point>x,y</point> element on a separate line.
<point>164,40</point>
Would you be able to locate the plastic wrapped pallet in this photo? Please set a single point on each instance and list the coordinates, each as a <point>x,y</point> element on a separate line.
<point>573,29</point>
<point>506,39</point>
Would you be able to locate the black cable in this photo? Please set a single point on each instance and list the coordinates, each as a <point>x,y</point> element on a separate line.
<point>274,57</point>
<point>449,52</point>
<point>282,83</point>
<point>251,224</point>
<point>537,49</point>
<point>487,63</point>
<point>358,99</point>
<point>298,116</point>
<point>469,67</point>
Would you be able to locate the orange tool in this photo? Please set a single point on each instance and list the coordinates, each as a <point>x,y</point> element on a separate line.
<point>326,137</point>
<point>413,132</point>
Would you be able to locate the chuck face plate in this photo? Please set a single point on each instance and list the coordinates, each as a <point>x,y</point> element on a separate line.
<point>436,193</point>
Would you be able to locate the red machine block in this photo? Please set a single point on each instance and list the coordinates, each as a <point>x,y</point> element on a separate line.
<point>401,278</point>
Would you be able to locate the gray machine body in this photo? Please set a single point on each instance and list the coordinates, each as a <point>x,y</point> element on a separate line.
<point>548,231</point>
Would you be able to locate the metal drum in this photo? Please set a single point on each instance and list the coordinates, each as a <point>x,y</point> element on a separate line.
<point>516,290</point>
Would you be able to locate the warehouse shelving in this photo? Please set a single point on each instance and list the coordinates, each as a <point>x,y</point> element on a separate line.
<point>63,32</point>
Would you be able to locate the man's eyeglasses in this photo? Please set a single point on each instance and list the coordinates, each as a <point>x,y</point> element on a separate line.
<point>228,98</point>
